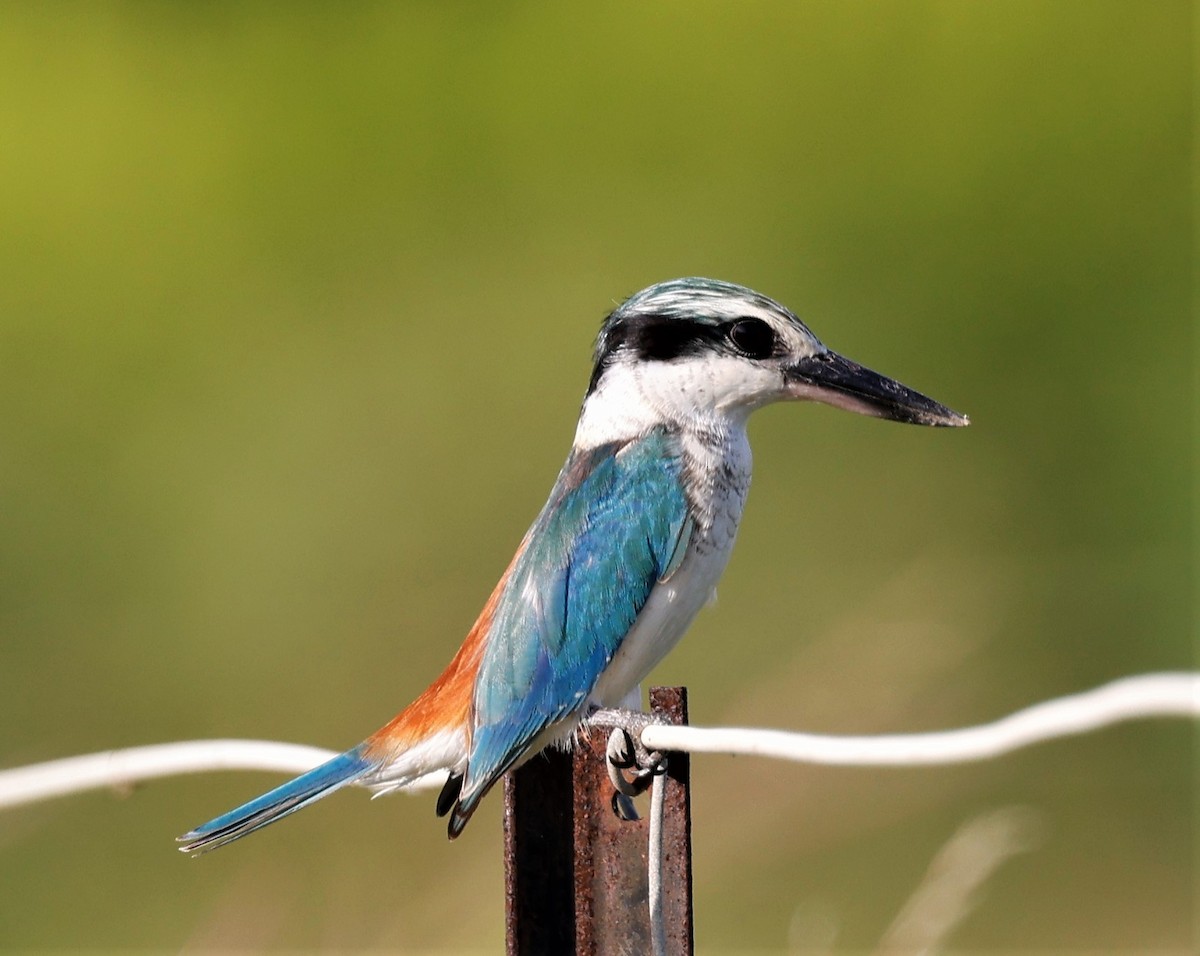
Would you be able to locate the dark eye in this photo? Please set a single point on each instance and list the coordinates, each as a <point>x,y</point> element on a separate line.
<point>752,337</point>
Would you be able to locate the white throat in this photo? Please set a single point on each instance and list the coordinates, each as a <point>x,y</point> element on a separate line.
<point>712,397</point>
<point>631,401</point>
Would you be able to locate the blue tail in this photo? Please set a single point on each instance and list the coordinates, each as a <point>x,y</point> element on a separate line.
<point>288,798</point>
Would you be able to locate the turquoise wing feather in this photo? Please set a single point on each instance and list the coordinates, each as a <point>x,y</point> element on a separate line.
<point>613,527</point>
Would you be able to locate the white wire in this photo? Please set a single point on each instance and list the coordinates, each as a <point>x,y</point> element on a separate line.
<point>115,769</point>
<point>1130,698</point>
<point>1148,695</point>
<point>658,929</point>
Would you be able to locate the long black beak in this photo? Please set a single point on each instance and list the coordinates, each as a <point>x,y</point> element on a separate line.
<point>829,378</point>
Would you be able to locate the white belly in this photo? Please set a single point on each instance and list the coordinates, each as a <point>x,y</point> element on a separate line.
<point>668,613</point>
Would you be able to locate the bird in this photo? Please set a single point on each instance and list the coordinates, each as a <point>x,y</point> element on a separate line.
<point>628,548</point>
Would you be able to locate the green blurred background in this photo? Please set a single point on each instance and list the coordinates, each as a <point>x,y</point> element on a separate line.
<point>296,304</point>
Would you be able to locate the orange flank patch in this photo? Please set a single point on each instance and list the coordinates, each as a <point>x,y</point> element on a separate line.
<point>447,701</point>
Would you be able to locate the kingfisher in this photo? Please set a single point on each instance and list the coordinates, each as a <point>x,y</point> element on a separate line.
<point>629,547</point>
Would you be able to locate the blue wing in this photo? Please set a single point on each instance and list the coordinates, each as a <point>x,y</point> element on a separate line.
<point>609,532</point>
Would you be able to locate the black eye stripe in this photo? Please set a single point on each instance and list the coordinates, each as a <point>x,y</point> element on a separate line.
<point>662,338</point>
<point>665,338</point>
<point>754,338</point>
<point>668,339</point>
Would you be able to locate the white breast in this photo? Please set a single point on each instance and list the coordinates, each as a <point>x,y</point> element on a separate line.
<point>718,472</point>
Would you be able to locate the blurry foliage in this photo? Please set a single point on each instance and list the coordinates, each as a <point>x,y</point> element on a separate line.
<point>295,312</point>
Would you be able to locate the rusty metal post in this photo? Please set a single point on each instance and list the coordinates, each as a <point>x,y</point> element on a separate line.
<point>539,882</point>
<point>575,872</point>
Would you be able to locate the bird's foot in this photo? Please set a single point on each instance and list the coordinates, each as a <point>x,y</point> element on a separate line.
<point>625,748</point>
<point>626,752</point>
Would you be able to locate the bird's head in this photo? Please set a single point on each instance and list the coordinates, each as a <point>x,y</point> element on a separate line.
<point>699,348</point>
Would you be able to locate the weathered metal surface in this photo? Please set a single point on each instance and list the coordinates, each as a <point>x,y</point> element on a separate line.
<point>671,704</point>
<point>575,872</point>
<point>539,857</point>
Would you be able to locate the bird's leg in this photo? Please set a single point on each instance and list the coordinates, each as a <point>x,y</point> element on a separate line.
<point>625,747</point>
<point>626,752</point>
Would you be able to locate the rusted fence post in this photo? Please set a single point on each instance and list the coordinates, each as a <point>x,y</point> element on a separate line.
<point>575,872</point>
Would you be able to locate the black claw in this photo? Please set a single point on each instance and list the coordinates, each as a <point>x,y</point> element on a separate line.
<point>623,807</point>
<point>626,756</point>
